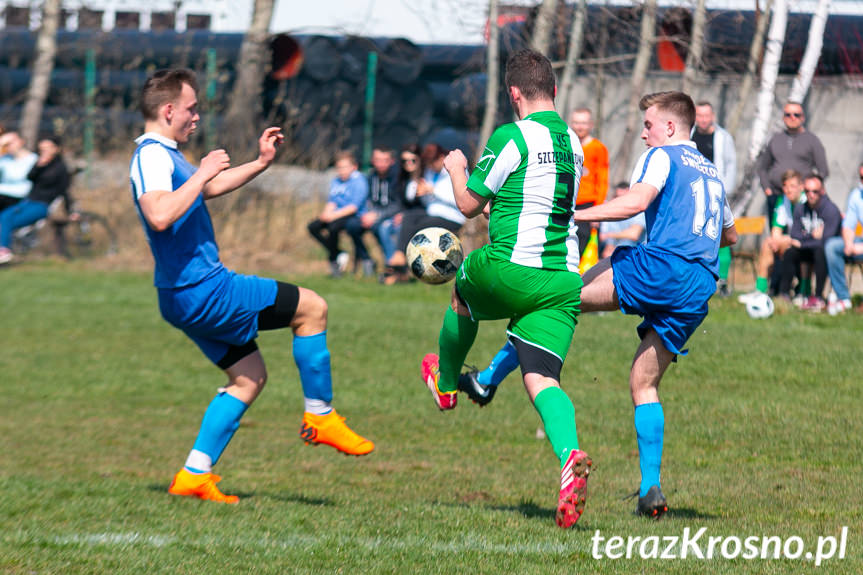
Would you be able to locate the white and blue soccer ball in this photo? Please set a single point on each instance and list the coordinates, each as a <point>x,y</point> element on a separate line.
<point>759,306</point>
<point>434,255</point>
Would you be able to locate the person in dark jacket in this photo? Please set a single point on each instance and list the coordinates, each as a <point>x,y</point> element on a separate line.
<point>51,180</point>
<point>813,223</point>
<point>384,204</point>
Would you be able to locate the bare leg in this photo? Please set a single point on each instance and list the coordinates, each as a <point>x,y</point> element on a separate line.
<point>650,362</point>
<point>598,293</point>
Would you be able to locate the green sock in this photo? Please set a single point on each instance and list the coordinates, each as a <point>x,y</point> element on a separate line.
<point>456,336</point>
<point>558,416</point>
<point>761,284</point>
<point>724,262</point>
<point>805,286</point>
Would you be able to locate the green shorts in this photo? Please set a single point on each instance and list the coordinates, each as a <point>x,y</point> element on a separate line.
<point>542,305</point>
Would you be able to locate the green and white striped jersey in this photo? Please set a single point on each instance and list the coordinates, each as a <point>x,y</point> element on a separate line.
<point>531,170</point>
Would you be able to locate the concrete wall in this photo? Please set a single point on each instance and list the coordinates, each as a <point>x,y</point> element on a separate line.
<point>833,110</point>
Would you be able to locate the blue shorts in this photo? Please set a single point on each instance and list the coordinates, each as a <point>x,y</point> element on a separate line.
<point>219,312</point>
<point>669,292</point>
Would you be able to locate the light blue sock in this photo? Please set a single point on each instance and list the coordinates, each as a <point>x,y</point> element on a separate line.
<point>649,429</point>
<point>313,360</point>
<point>221,420</point>
<point>501,366</point>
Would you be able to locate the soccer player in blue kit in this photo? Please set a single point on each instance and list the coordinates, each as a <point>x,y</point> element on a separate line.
<point>219,310</point>
<point>667,280</point>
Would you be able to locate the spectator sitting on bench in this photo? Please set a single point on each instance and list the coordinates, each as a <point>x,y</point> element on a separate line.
<point>50,180</point>
<point>848,247</point>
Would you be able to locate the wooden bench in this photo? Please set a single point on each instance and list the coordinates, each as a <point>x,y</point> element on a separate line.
<point>750,231</point>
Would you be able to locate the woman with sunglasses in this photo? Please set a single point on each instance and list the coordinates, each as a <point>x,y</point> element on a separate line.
<point>430,204</point>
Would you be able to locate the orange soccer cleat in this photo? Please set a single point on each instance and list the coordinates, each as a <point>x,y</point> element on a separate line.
<point>200,485</point>
<point>330,429</point>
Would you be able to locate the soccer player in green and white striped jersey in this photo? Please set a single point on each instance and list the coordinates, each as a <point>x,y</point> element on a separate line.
<point>529,171</point>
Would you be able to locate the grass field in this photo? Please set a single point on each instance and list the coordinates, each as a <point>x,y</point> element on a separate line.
<point>101,401</point>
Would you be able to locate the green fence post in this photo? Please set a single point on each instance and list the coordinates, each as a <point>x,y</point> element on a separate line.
<point>371,78</point>
<point>89,110</point>
<point>209,135</point>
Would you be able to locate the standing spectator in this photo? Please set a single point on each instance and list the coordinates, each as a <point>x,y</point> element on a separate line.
<point>50,180</point>
<point>594,182</point>
<point>792,149</point>
<point>15,163</point>
<point>847,246</point>
<point>717,145</point>
<point>814,222</point>
<point>347,200</point>
<point>628,232</point>
<point>384,205</point>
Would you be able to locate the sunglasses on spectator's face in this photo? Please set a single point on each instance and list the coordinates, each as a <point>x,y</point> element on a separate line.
<point>409,160</point>
<point>813,190</point>
<point>793,114</point>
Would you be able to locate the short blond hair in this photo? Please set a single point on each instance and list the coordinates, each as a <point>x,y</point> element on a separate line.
<point>678,104</point>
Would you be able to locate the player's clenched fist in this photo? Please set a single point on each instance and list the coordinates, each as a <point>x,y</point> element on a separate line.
<point>455,160</point>
<point>214,163</point>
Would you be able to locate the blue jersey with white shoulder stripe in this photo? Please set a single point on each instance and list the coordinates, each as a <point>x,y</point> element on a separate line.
<point>690,211</point>
<point>186,253</point>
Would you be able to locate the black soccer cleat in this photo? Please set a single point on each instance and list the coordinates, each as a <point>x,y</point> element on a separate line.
<point>653,505</point>
<point>478,393</point>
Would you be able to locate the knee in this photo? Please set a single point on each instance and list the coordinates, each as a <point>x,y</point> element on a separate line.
<point>312,310</point>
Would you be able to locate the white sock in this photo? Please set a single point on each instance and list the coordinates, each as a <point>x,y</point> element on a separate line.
<point>317,406</point>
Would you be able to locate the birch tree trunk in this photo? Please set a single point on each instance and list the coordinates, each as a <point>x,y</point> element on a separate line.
<point>576,37</point>
<point>813,52</point>
<point>493,76</point>
<point>40,81</point>
<point>696,47</point>
<point>769,71</point>
<point>751,67</point>
<point>541,40</point>
<point>241,121</point>
<point>639,73</point>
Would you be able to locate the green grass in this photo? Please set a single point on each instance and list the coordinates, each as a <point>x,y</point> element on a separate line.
<point>101,401</point>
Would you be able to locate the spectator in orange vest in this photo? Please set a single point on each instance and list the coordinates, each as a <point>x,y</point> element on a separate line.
<point>594,180</point>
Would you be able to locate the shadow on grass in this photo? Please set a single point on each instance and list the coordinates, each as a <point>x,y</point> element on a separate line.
<point>687,513</point>
<point>284,497</point>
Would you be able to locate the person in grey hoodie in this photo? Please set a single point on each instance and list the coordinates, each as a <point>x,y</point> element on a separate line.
<point>794,148</point>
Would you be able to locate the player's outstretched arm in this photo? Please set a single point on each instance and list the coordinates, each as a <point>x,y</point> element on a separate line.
<point>161,208</point>
<point>620,208</point>
<point>231,179</point>
<point>469,203</point>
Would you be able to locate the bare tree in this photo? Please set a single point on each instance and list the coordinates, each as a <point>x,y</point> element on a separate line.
<point>492,74</point>
<point>813,52</point>
<point>241,118</point>
<point>751,67</point>
<point>696,47</point>
<point>541,40</point>
<point>639,74</point>
<point>576,37</point>
<point>40,81</point>
<point>769,72</point>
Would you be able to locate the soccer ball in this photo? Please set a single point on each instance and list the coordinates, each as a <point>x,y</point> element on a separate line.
<point>434,255</point>
<point>759,306</point>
